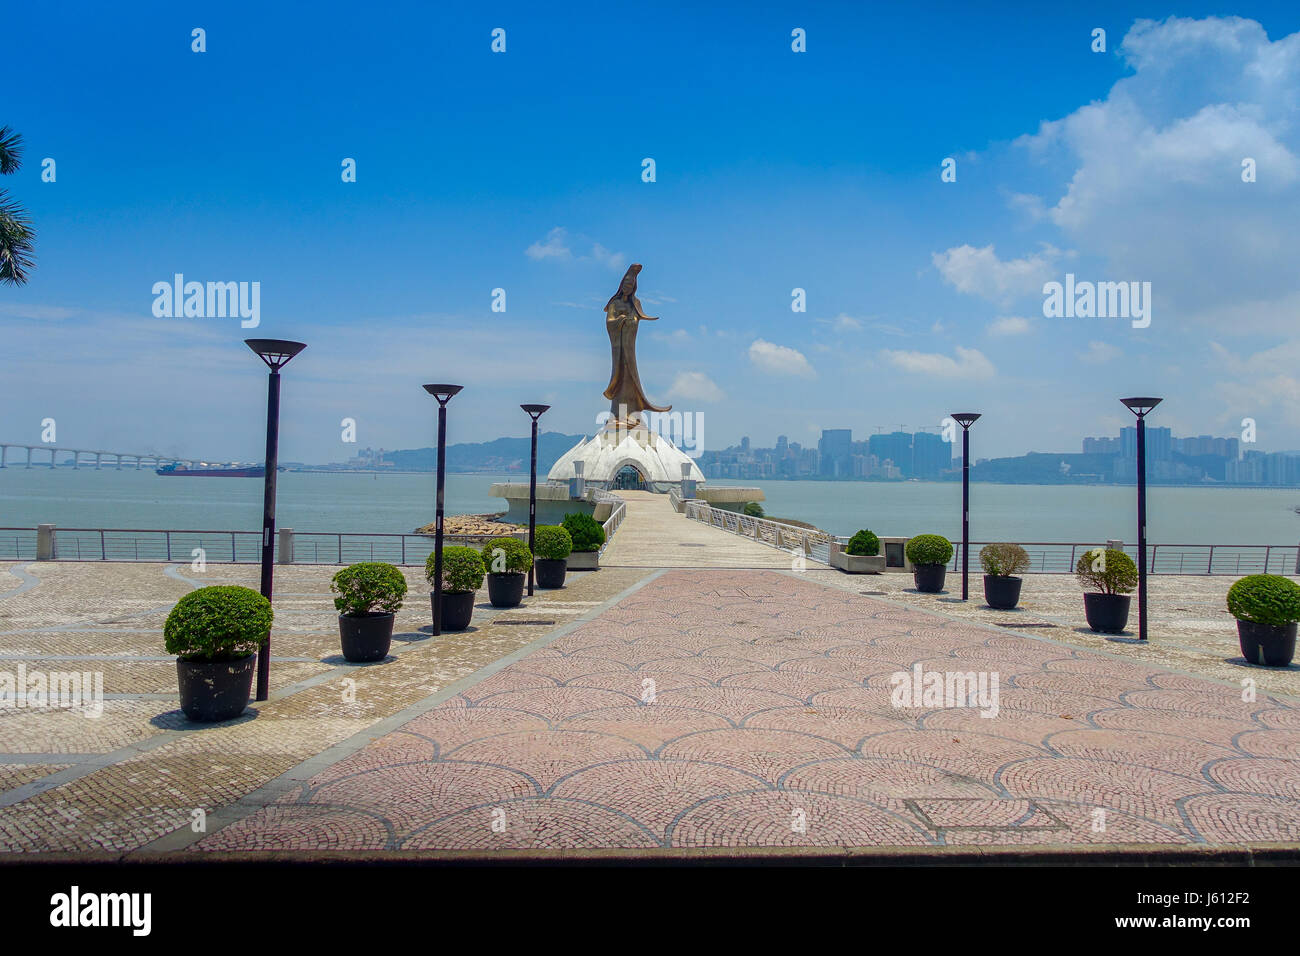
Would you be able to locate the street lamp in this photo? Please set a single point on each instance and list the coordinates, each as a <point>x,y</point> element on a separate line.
<point>965,420</point>
<point>443,394</point>
<point>534,412</point>
<point>1140,407</point>
<point>276,353</point>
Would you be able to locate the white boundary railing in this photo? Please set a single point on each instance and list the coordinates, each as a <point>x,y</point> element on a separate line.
<point>786,537</point>
<point>1046,557</point>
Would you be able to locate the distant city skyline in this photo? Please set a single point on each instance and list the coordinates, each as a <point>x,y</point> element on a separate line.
<point>857,233</point>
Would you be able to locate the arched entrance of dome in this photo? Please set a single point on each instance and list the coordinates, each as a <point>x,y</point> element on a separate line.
<point>629,478</point>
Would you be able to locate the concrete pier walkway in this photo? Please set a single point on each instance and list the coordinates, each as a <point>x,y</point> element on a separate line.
<point>653,535</point>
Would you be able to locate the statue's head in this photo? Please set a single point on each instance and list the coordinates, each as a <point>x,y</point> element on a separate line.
<point>628,285</point>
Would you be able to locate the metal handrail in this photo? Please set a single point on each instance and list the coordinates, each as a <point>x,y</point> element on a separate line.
<point>1046,557</point>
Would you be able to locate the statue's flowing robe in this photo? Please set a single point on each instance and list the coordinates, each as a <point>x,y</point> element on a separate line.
<point>625,393</point>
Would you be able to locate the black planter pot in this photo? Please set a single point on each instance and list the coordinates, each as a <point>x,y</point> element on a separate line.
<point>929,577</point>
<point>550,572</point>
<point>1107,613</point>
<point>1272,645</point>
<point>507,589</point>
<point>366,637</point>
<point>457,609</point>
<point>1002,592</point>
<point>215,690</point>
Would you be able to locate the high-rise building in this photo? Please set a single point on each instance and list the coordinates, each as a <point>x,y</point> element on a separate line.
<point>931,455</point>
<point>835,452</point>
<point>895,446</point>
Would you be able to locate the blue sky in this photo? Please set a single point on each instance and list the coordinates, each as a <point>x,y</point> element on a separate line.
<point>775,170</point>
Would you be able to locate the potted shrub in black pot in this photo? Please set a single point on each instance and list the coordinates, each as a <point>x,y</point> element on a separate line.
<point>462,575</point>
<point>1001,563</point>
<point>215,633</point>
<point>1112,576</point>
<point>369,596</point>
<point>588,538</point>
<point>1267,607</point>
<point>860,556</point>
<point>507,561</point>
<point>929,554</point>
<point>552,546</point>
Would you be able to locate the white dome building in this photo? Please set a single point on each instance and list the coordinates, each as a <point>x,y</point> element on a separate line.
<point>623,457</point>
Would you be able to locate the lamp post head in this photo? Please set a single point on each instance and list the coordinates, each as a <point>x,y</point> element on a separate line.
<point>535,411</point>
<point>1140,406</point>
<point>965,419</point>
<point>443,393</point>
<point>275,352</point>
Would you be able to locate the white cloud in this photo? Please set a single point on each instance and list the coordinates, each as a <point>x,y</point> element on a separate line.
<point>612,260</point>
<point>842,323</point>
<point>555,247</point>
<point>1100,353</point>
<point>780,359</point>
<point>980,272</point>
<point>696,386</point>
<point>968,363</point>
<point>1154,170</point>
<point>1010,325</point>
<point>559,246</point>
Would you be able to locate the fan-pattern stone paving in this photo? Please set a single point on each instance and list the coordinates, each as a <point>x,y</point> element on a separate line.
<point>729,709</point>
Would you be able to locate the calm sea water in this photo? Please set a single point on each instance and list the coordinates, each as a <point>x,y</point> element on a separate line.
<point>1040,512</point>
<point>400,503</point>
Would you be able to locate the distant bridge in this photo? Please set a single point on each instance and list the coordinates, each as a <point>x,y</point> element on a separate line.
<point>91,457</point>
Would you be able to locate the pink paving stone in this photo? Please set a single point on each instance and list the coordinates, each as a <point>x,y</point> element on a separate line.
<point>773,726</point>
<point>767,754</point>
<point>1271,778</point>
<point>1140,791</point>
<point>424,792</point>
<point>1170,752</point>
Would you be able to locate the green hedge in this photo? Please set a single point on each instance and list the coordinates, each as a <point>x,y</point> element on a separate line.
<point>517,558</point>
<point>552,542</point>
<point>370,587</point>
<point>1107,570</point>
<point>865,543</point>
<point>462,570</point>
<point>929,549</point>
<point>586,532</point>
<point>219,623</point>
<point>1265,599</point>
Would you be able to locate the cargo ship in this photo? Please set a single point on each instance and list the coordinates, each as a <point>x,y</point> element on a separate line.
<point>205,471</point>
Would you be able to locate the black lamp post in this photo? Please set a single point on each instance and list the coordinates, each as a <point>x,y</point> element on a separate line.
<point>965,420</point>
<point>1140,407</point>
<point>276,354</point>
<point>534,412</point>
<point>443,394</point>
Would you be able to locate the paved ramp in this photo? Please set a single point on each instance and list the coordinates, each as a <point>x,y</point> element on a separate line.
<point>653,535</point>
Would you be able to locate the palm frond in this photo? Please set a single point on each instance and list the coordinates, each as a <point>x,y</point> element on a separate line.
<point>11,151</point>
<point>17,257</point>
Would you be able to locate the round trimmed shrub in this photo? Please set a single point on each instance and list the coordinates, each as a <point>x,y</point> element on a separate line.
<point>586,532</point>
<point>370,587</point>
<point>462,569</point>
<point>929,549</point>
<point>1265,599</point>
<point>517,558</point>
<point>1107,570</point>
<point>864,542</point>
<point>1003,560</point>
<point>552,542</point>
<point>753,509</point>
<point>223,622</point>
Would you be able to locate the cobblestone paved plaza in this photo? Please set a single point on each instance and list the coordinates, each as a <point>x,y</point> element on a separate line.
<point>729,704</point>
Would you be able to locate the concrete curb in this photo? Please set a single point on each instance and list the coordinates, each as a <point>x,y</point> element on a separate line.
<point>1143,855</point>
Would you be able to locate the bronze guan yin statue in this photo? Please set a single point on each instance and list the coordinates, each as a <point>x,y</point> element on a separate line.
<point>623,313</point>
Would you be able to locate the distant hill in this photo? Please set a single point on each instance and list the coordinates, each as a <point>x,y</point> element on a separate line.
<point>499,455</point>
